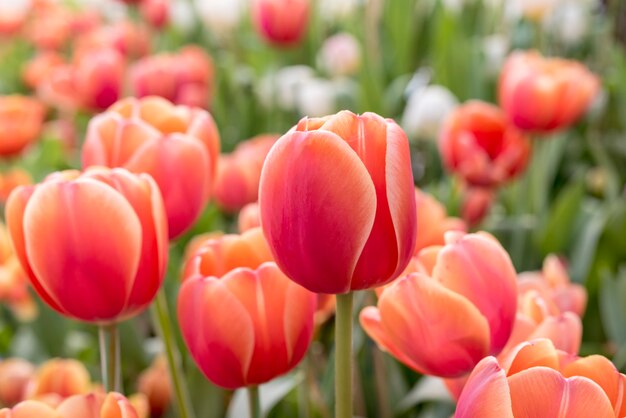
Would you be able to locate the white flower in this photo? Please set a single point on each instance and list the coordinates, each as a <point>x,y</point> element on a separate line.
<point>316,97</point>
<point>340,55</point>
<point>495,48</point>
<point>569,22</point>
<point>426,110</point>
<point>221,16</point>
<point>182,15</point>
<point>281,88</point>
<point>337,10</point>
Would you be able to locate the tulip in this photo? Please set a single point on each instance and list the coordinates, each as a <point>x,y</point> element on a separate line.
<point>218,256</point>
<point>340,55</point>
<point>471,296</point>
<point>21,119</point>
<point>155,12</point>
<point>116,275</point>
<point>432,221</point>
<point>61,377</point>
<point>281,22</point>
<point>50,28</point>
<point>129,39</point>
<point>349,202</point>
<point>99,76</point>
<point>95,405</point>
<point>12,16</point>
<point>40,67</point>
<point>239,173</point>
<point>545,94</point>
<point>175,145</point>
<point>12,179</point>
<point>539,381</point>
<point>479,145</point>
<point>249,217</point>
<point>476,204</point>
<point>15,374</point>
<point>247,327</point>
<point>155,384</point>
<point>29,409</point>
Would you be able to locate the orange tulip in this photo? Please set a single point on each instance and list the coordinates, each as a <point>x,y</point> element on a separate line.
<point>15,374</point>
<point>40,67</point>
<point>281,22</point>
<point>63,377</point>
<point>130,39</point>
<point>177,146</point>
<point>96,405</point>
<point>21,119</point>
<point>122,218</point>
<point>247,327</point>
<point>433,221</point>
<point>338,203</point>
<point>239,173</point>
<point>30,409</point>
<point>249,217</point>
<point>155,384</point>
<point>479,145</point>
<point>471,297</point>
<point>12,179</point>
<point>545,94</point>
<point>539,381</point>
<point>218,256</point>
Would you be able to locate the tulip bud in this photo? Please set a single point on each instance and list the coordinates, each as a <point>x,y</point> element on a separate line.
<point>281,22</point>
<point>21,119</point>
<point>60,376</point>
<point>15,374</point>
<point>155,384</point>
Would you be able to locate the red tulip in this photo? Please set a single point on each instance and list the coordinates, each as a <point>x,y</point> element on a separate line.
<point>479,145</point>
<point>155,12</point>
<point>545,94</point>
<point>175,145</point>
<point>471,297</point>
<point>281,22</point>
<point>21,119</point>
<point>338,203</point>
<point>110,242</point>
<point>98,78</point>
<point>539,381</point>
<point>247,327</point>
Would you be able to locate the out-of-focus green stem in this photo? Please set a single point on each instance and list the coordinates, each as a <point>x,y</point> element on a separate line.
<point>163,324</point>
<point>110,366</point>
<point>255,401</point>
<point>343,356</point>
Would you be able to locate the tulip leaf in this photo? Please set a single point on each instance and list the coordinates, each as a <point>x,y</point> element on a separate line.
<point>426,389</point>
<point>613,305</point>
<point>271,393</point>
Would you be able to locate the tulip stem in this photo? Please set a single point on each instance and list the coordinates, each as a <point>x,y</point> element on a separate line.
<point>110,366</point>
<point>343,356</point>
<point>255,401</point>
<point>161,318</point>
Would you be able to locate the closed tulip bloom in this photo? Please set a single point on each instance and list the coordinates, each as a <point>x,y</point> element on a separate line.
<point>539,381</point>
<point>155,12</point>
<point>281,22</point>
<point>247,327</point>
<point>15,374</point>
<point>112,263</point>
<point>155,384</point>
<point>21,119</point>
<point>545,94</point>
<point>217,256</point>
<point>172,144</point>
<point>249,217</point>
<point>99,77</point>
<point>478,144</point>
<point>63,377</point>
<point>97,405</point>
<point>40,67</point>
<point>471,296</point>
<point>345,220</point>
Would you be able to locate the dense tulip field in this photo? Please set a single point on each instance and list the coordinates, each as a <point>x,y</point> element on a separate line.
<point>313,208</point>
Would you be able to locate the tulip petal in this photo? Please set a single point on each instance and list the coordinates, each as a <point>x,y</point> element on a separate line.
<point>486,393</point>
<point>30,409</point>
<point>565,331</point>
<point>82,406</point>
<point>117,406</point>
<point>90,274</point>
<point>217,329</point>
<point>318,222</point>
<point>529,354</point>
<point>541,392</point>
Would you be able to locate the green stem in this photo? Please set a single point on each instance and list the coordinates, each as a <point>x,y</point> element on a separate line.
<point>110,357</point>
<point>161,319</point>
<point>304,390</point>
<point>343,356</point>
<point>255,401</point>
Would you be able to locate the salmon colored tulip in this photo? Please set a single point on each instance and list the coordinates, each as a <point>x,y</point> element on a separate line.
<point>281,22</point>
<point>30,409</point>
<point>338,203</point>
<point>50,28</point>
<point>545,94</point>
<point>246,327</point>
<point>155,384</point>
<point>21,119</point>
<point>476,204</point>
<point>97,405</point>
<point>249,217</point>
<point>99,77</point>
<point>15,374</point>
<point>155,12</point>
<point>478,144</point>
<point>12,179</point>
<point>218,256</point>
<point>122,218</point>
<point>433,221</point>
<point>471,297</point>
<point>130,39</point>
<point>185,78</point>
<point>239,173</point>
<point>175,145</point>
<point>539,381</point>
<point>64,377</point>
<point>40,67</point>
